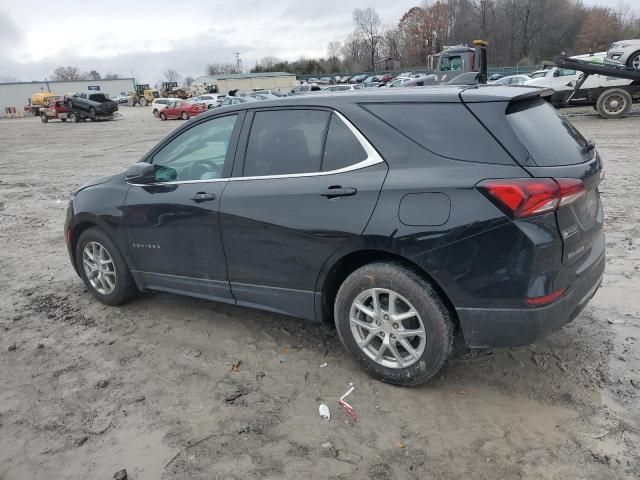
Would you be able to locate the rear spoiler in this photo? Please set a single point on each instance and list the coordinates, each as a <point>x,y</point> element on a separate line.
<point>499,93</point>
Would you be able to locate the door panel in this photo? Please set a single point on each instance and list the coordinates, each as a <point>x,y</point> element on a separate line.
<point>174,238</point>
<point>172,226</point>
<point>277,233</point>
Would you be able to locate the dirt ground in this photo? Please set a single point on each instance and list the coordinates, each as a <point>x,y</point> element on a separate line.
<point>150,387</point>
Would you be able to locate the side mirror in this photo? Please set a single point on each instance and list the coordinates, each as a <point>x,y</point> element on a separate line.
<point>141,172</point>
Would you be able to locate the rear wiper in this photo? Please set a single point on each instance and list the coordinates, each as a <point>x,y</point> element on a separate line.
<point>590,145</point>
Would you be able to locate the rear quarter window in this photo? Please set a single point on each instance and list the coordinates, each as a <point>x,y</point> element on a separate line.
<point>446,129</point>
<point>547,136</point>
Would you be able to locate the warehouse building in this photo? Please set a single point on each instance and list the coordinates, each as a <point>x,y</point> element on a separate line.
<point>17,94</point>
<point>244,81</point>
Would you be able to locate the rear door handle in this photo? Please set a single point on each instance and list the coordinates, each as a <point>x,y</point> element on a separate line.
<point>337,191</point>
<point>203,197</point>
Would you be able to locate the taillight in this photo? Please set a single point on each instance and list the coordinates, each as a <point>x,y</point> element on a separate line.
<point>546,299</point>
<point>524,197</point>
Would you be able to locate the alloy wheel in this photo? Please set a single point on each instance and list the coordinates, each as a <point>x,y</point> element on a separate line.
<point>99,268</point>
<point>387,328</point>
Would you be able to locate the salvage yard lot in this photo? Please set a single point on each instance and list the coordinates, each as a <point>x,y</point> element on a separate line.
<point>170,387</point>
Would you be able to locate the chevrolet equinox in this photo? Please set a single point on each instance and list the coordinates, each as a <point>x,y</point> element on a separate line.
<point>405,217</point>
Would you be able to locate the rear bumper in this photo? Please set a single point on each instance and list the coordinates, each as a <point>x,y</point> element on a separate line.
<point>493,328</point>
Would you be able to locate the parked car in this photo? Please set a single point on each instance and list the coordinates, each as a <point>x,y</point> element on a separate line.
<point>493,78</point>
<point>343,88</point>
<point>398,82</point>
<point>539,73</point>
<point>96,104</point>
<point>182,109</point>
<point>160,104</point>
<point>211,100</point>
<point>405,218</point>
<point>345,79</point>
<point>513,80</point>
<point>358,78</point>
<point>306,88</point>
<point>626,52</point>
<point>54,109</point>
<point>277,93</point>
<point>234,100</point>
<point>120,98</point>
<point>325,81</point>
<point>312,80</point>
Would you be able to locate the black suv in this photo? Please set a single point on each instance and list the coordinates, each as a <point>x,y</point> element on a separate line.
<point>405,216</point>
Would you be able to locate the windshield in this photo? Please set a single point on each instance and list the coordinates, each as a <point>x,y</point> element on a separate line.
<point>548,137</point>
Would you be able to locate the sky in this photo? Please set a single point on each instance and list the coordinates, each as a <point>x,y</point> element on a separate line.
<point>142,38</point>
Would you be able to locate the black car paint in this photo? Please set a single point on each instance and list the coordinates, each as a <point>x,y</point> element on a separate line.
<point>278,255</point>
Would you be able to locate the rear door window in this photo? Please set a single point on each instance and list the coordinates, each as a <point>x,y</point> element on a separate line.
<point>446,129</point>
<point>342,148</point>
<point>285,142</point>
<point>547,136</point>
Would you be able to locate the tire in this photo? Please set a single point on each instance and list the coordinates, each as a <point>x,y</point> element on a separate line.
<point>44,118</point>
<point>634,60</point>
<point>63,119</point>
<point>414,294</point>
<point>184,116</point>
<point>73,118</point>
<point>34,112</point>
<point>92,113</point>
<point>115,274</point>
<point>614,103</point>
<point>163,117</point>
<point>155,112</point>
<point>143,102</point>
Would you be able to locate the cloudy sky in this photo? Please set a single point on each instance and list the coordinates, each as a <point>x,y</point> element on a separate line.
<point>142,38</point>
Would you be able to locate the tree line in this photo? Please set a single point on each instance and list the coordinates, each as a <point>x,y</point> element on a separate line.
<point>519,32</point>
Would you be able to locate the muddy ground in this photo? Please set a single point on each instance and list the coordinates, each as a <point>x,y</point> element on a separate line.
<point>150,387</point>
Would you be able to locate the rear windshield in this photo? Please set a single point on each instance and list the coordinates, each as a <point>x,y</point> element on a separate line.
<point>98,97</point>
<point>548,137</point>
<point>446,129</point>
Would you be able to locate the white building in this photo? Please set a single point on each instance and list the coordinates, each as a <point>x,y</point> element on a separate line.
<point>244,81</point>
<point>18,94</point>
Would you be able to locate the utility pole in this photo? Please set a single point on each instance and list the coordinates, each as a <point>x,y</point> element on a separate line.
<point>238,62</point>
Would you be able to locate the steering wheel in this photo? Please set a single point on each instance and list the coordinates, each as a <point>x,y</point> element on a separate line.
<point>203,169</point>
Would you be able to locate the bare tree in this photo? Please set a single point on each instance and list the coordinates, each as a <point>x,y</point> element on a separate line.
<point>187,81</point>
<point>93,75</point>
<point>220,69</point>
<point>171,75</point>
<point>65,74</point>
<point>369,26</point>
<point>111,76</point>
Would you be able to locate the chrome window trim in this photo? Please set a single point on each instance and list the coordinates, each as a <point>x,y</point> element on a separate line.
<point>373,158</point>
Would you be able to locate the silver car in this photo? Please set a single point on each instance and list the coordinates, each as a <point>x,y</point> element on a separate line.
<point>626,52</point>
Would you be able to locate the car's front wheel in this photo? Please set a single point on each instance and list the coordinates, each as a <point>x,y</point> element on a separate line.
<point>393,323</point>
<point>185,116</point>
<point>162,116</point>
<point>103,269</point>
<point>634,60</point>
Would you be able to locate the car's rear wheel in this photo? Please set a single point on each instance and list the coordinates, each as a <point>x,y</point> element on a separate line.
<point>634,60</point>
<point>143,102</point>
<point>185,116</point>
<point>162,116</point>
<point>393,323</point>
<point>92,113</point>
<point>103,269</point>
<point>44,118</point>
<point>74,118</point>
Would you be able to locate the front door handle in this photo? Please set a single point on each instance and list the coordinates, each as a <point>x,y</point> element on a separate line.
<point>203,197</point>
<point>337,191</point>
